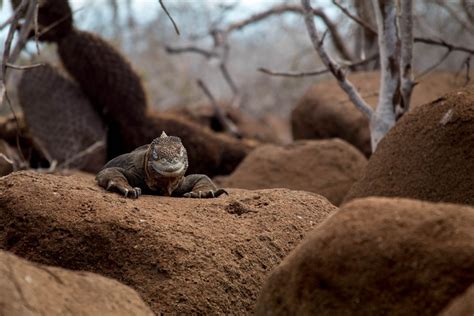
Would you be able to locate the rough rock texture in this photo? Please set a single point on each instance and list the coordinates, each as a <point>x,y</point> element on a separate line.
<point>428,155</point>
<point>115,90</point>
<point>184,256</point>
<point>377,256</point>
<point>267,129</point>
<point>61,118</point>
<point>28,288</point>
<point>326,112</point>
<point>463,305</point>
<point>326,167</point>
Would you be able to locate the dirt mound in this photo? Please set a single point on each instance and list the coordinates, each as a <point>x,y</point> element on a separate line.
<point>326,167</point>
<point>27,288</point>
<point>184,256</point>
<point>428,155</point>
<point>377,256</point>
<point>463,305</point>
<point>76,126</point>
<point>325,111</point>
<point>265,129</point>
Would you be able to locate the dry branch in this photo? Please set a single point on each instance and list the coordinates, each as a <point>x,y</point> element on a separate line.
<point>86,152</point>
<point>227,124</point>
<point>314,72</point>
<point>466,25</point>
<point>169,16</point>
<point>406,58</point>
<point>389,46</point>
<point>335,69</point>
<point>355,18</point>
<point>432,67</point>
<point>443,43</point>
<point>294,74</point>
<point>285,8</point>
<point>416,39</point>
<point>23,67</point>
<point>191,49</point>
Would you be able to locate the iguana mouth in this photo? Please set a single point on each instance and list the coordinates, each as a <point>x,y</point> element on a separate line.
<point>170,170</point>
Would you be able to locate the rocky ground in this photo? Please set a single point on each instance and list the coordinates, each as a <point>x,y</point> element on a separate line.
<point>182,255</point>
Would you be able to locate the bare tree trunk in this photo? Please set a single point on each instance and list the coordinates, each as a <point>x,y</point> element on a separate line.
<point>406,34</point>
<point>389,45</point>
<point>366,43</point>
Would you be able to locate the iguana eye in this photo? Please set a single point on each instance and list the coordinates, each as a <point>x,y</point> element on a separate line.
<point>163,160</point>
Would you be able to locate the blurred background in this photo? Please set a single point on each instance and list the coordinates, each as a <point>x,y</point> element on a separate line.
<point>142,31</point>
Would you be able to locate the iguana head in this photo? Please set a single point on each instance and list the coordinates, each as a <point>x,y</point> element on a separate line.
<point>166,162</point>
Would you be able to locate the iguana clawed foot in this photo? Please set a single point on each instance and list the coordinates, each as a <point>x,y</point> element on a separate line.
<point>126,190</point>
<point>205,194</point>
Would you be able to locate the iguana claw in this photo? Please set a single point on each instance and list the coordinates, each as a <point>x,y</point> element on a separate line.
<point>205,194</point>
<point>133,193</point>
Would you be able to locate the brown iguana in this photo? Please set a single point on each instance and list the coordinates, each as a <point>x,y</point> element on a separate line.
<point>157,168</point>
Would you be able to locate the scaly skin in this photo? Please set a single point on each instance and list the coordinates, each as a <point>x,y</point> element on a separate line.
<point>157,168</point>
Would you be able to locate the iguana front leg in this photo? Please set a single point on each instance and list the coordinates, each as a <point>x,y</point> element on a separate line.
<point>114,179</point>
<point>198,186</point>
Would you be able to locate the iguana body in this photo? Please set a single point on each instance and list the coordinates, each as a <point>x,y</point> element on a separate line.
<point>157,168</point>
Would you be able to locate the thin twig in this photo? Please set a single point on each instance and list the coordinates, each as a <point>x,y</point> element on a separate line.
<point>89,150</point>
<point>466,25</point>
<point>190,49</point>
<point>284,8</point>
<point>23,67</point>
<point>430,41</point>
<point>225,122</point>
<point>315,72</point>
<point>169,16</point>
<point>294,74</point>
<point>356,19</point>
<point>416,39</point>
<point>435,65</point>
<point>24,32</point>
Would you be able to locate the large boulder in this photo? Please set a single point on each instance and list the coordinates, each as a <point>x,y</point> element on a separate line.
<point>327,167</point>
<point>28,288</point>
<point>325,111</point>
<point>184,256</point>
<point>377,256</point>
<point>428,155</point>
<point>463,305</point>
<point>61,120</point>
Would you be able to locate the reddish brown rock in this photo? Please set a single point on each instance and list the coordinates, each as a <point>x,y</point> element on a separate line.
<point>325,111</point>
<point>184,256</point>
<point>377,256</point>
<point>28,288</point>
<point>463,305</point>
<point>268,129</point>
<point>326,167</point>
<point>428,155</point>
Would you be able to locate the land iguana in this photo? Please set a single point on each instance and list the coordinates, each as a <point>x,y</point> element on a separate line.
<point>157,168</point>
